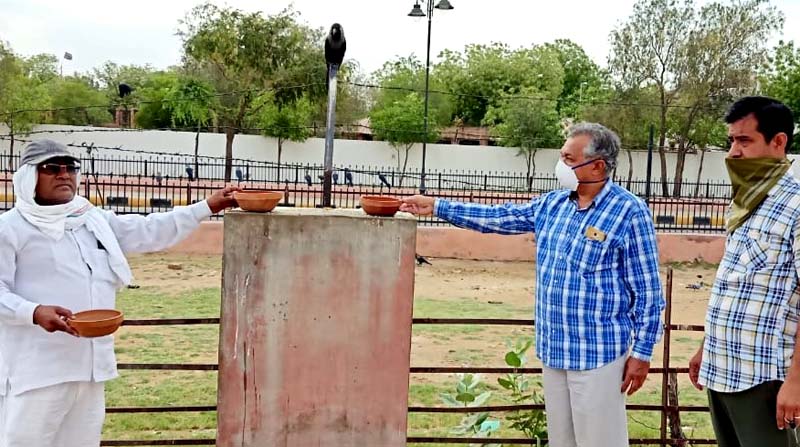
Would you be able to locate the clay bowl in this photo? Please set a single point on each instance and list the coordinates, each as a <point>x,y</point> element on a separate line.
<point>257,201</point>
<point>96,323</point>
<point>380,205</point>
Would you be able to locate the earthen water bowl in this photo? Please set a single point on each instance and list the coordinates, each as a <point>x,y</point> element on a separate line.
<point>96,323</point>
<point>257,201</point>
<point>380,205</point>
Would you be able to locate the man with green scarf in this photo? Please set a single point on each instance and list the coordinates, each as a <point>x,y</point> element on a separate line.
<point>750,358</point>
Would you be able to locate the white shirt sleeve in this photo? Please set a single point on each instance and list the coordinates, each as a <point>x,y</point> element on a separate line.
<point>13,308</point>
<point>157,231</point>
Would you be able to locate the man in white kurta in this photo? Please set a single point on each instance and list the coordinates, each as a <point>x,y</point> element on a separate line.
<point>59,255</point>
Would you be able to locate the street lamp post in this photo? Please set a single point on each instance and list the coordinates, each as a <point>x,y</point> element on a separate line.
<point>417,12</point>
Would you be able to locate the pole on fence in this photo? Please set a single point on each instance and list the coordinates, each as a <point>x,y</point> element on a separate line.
<point>649,163</point>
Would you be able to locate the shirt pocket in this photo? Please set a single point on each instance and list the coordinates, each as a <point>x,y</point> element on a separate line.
<point>757,250</point>
<point>590,256</point>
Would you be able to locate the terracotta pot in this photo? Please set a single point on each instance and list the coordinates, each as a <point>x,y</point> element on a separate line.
<point>96,323</point>
<point>257,201</point>
<point>380,205</point>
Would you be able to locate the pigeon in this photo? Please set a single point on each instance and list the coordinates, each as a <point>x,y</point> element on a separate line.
<point>421,260</point>
<point>348,177</point>
<point>697,286</point>
<point>384,181</point>
<point>239,174</point>
<point>309,182</point>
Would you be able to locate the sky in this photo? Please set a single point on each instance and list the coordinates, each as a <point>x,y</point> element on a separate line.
<point>143,32</point>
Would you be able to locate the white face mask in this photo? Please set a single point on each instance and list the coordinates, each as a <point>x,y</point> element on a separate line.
<point>566,174</point>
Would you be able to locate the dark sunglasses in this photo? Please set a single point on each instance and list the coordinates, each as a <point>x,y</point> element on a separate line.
<point>55,169</point>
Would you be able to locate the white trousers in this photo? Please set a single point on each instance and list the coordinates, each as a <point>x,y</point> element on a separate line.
<point>586,408</point>
<point>65,415</point>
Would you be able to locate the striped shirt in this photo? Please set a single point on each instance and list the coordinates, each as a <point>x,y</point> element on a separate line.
<point>753,311</point>
<point>598,289</point>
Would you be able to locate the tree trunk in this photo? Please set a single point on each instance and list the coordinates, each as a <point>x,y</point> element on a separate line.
<point>230,133</point>
<point>630,169</point>
<point>405,165</point>
<point>662,139</point>
<point>196,153</point>
<point>11,154</point>
<point>280,150</point>
<point>529,175</point>
<point>700,172</point>
<point>679,163</point>
<point>11,148</point>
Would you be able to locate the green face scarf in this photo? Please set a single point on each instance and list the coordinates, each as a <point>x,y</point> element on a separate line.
<point>751,179</point>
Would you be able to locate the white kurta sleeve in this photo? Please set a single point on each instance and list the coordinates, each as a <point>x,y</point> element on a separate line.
<point>157,231</point>
<point>13,308</point>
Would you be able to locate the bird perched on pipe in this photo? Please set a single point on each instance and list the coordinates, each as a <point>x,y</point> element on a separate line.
<point>335,45</point>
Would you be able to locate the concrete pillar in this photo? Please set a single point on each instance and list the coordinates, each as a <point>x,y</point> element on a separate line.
<point>316,329</point>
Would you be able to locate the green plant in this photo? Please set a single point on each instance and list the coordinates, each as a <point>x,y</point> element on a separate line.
<point>477,425</point>
<point>533,423</point>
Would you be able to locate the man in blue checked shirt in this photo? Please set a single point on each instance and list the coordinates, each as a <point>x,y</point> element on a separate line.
<point>750,358</point>
<point>598,294</point>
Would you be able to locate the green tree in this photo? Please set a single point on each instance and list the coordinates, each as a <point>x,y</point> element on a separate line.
<point>154,111</point>
<point>583,79</point>
<point>721,59</point>
<point>399,77</point>
<point>41,68</point>
<point>248,53</point>
<point>73,96</point>
<point>630,121</point>
<point>21,97</point>
<point>781,80</point>
<point>646,50</point>
<point>692,58</point>
<point>481,76</point>
<point>110,75</point>
<point>191,103</point>
<point>527,126</point>
<point>289,122</point>
<point>401,124</point>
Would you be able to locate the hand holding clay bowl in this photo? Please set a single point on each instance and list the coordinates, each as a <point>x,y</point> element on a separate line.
<point>380,205</point>
<point>257,201</point>
<point>96,323</point>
